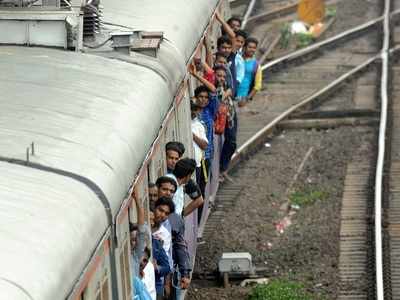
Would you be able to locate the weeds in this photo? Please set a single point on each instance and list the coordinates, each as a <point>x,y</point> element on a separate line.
<point>307,197</point>
<point>279,289</point>
<point>330,12</point>
<point>285,36</point>
<point>304,40</point>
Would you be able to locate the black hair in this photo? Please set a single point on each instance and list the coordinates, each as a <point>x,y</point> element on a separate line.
<point>234,18</point>
<point>133,227</point>
<point>184,167</point>
<point>223,40</point>
<point>151,185</point>
<point>164,179</point>
<point>242,33</point>
<point>216,68</point>
<point>194,106</point>
<point>200,89</point>
<point>147,251</point>
<point>175,146</point>
<point>251,40</point>
<point>165,201</point>
<point>219,54</point>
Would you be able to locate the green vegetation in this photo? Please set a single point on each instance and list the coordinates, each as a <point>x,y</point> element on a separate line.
<point>285,36</point>
<point>279,289</point>
<point>304,40</point>
<point>307,196</point>
<point>330,12</point>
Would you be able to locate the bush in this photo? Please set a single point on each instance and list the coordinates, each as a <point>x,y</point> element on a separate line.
<point>285,36</point>
<point>279,290</point>
<point>304,40</point>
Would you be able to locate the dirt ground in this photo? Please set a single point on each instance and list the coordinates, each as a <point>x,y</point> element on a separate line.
<point>307,250</point>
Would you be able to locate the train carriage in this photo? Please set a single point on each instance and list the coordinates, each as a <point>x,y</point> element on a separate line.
<point>77,130</point>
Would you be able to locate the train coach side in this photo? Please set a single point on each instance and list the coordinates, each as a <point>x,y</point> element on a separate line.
<point>98,121</point>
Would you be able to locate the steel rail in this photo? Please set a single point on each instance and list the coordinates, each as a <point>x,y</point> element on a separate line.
<point>316,46</point>
<point>319,45</point>
<point>288,9</point>
<point>268,128</point>
<point>249,10</point>
<point>381,153</point>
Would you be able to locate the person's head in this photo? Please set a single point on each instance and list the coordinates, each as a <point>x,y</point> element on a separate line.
<point>220,75</point>
<point>202,96</point>
<point>184,169</point>
<point>144,260</point>
<point>241,37</point>
<point>153,194</point>
<point>133,228</point>
<point>173,152</point>
<point>250,47</point>
<point>195,110</point>
<point>220,59</point>
<point>166,186</point>
<point>163,208</point>
<point>224,45</point>
<point>235,22</point>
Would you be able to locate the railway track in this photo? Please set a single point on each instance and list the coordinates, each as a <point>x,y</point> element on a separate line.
<point>390,189</point>
<point>367,270</point>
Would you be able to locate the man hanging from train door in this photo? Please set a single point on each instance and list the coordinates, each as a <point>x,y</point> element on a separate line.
<point>164,216</point>
<point>173,152</point>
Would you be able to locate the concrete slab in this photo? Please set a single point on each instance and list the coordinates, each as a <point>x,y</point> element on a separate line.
<point>364,97</point>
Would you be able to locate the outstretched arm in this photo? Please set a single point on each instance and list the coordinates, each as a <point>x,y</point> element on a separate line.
<point>209,85</point>
<point>228,29</point>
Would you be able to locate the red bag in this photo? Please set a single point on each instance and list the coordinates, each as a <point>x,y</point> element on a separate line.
<point>220,119</point>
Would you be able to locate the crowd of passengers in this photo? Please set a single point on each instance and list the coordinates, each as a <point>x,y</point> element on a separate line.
<point>228,80</point>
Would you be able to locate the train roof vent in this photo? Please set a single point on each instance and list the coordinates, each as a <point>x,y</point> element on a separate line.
<point>144,42</point>
<point>51,23</point>
<point>92,19</point>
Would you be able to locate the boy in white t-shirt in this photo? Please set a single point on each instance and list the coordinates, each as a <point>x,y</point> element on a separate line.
<point>200,141</point>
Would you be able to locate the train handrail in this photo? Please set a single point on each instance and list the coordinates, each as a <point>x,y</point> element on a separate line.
<point>249,10</point>
<point>381,153</point>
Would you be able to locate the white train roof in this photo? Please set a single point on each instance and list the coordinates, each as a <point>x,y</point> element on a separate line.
<point>47,232</point>
<point>88,115</point>
<point>182,21</point>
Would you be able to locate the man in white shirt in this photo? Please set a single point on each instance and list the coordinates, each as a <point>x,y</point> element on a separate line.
<point>182,174</point>
<point>200,142</point>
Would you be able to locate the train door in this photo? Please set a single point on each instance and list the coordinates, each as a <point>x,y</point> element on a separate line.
<point>128,214</point>
<point>122,252</point>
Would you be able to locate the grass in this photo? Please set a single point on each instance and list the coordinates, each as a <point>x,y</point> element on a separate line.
<point>285,36</point>
<point>279,289</point>
<point>304,40</point>
<point>330,12</point>
<point>307,197</point>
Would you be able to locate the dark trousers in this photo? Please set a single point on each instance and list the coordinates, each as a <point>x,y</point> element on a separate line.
<point>203,176</point>
<point>229,146</point>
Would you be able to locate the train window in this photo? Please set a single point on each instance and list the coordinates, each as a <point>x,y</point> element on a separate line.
<point>105,290</point>
<point>125,274</point>
<point>127,270</point>
<point>123,277</point>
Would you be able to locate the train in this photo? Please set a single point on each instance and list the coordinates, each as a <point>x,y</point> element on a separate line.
<point>91,91</point>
